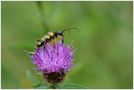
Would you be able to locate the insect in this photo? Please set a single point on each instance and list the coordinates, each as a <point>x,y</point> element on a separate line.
<point>52,37</point>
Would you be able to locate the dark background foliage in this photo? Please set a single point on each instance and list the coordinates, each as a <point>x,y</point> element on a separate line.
<point>103,58</point>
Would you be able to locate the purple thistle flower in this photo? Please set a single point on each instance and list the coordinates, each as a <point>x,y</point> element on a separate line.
<point>53,61</point>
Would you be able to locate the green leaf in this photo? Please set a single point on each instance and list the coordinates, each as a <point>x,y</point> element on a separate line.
<point>34,81</point>
<point>72,86</point>
<point>43,86</point>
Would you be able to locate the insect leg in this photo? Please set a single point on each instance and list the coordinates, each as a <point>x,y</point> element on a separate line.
<point>62,41</point>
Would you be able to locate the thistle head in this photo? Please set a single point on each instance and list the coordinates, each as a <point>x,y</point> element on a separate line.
<point>53,61</point>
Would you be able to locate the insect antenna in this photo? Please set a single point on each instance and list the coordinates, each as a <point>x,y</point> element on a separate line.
<point>68,29</point>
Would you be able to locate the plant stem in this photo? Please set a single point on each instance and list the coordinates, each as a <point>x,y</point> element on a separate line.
<point>41,11</point>
<point>53,86</point>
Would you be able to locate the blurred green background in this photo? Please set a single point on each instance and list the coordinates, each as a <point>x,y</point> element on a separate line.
<point>103,58</point>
